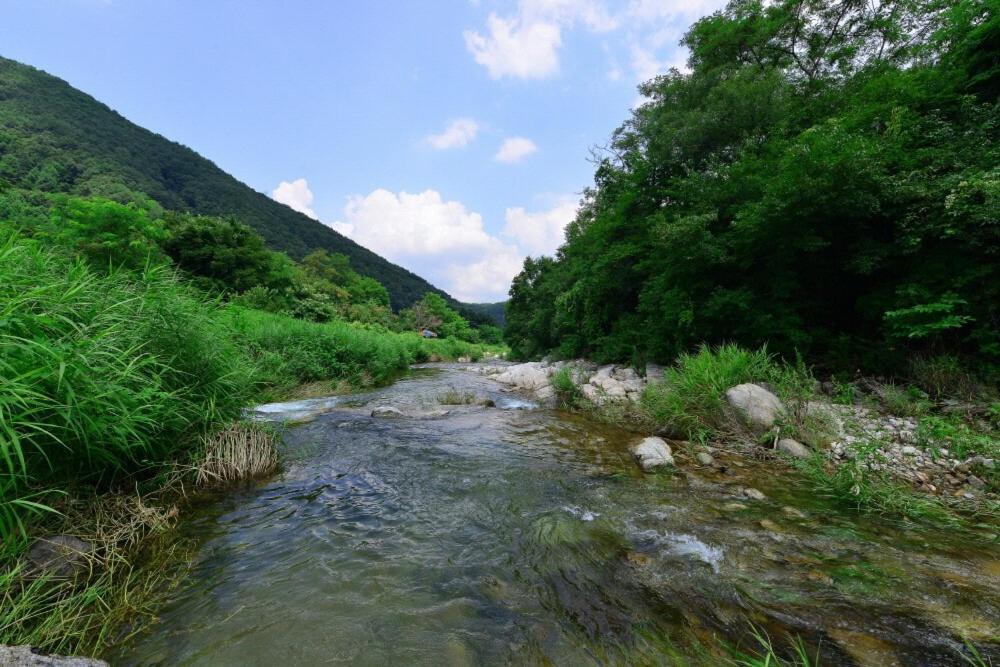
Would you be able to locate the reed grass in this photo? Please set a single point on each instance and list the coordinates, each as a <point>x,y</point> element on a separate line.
<point>240,451</point>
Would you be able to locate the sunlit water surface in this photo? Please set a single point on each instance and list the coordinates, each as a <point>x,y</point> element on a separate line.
<point>521,535</point>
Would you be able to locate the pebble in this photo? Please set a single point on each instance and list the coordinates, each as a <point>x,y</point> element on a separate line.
<point>754,494</point>
<point>705,458</point>
<point>910,450</point>
<point>767,524</point>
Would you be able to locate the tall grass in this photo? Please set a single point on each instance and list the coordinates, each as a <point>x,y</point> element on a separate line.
<point>101,374</point>
<point>689,400</point>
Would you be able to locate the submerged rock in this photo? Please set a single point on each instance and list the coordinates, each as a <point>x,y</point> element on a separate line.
<point>25,656</point>
<point>755,406</point>
<point>61,556</point>
<point>387,411</point>
<point>705,458</point>
<point>753,494</point>
<point>653,452</point>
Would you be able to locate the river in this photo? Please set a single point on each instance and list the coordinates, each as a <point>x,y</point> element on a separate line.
<point>518,534</point>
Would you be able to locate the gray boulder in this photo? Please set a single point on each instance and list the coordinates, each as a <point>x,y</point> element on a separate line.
<point>652,453</point>
<point>755,406</point>
<point>24,656</point>
<point>793,448</point>
<point>60,556</point>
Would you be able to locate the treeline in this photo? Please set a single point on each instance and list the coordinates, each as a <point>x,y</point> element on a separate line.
<point>824,180</point>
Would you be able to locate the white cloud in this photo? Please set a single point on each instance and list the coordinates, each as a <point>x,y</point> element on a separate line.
<point>458,134</point>
<point>513,48</point>
<point>448,244</point>
<point>486,279</point>
<point>540,232</point>
<point>399,226</point>
<point>296,195</point>
<point>526,43</point>
<point>515,149</point>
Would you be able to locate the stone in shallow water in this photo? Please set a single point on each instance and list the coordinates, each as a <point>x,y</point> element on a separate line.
<point>652,453</point>
<point>754,494</point>
<point>705,458</point>
<point>387,411</point>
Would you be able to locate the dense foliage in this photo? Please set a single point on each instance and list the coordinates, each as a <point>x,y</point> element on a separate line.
<point>824,180</point>
<point>56,139</point>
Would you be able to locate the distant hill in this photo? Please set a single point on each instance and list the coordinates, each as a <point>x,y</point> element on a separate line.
<point>55,138</point>
<point>495,312</point>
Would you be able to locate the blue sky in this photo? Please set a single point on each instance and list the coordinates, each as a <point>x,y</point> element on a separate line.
<point>449,136</point>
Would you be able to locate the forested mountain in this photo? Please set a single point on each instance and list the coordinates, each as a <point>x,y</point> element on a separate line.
<point>54,138</point>
<point>494,312</point>
<point>825,180</point>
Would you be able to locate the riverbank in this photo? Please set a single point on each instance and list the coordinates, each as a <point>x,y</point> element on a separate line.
<point>874,446</point>
<point>117,387</point>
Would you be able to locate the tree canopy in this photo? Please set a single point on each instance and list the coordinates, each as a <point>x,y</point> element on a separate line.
<point>825,180</point>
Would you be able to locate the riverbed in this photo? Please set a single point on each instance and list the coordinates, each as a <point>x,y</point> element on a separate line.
<point>520,534</point>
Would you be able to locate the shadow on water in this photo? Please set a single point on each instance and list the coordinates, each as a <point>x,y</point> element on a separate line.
<point>509,535</point>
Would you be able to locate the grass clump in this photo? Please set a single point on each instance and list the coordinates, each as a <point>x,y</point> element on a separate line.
<point>455,397</point>
<point>240,451</point>
<point>856,486</point>
<point>566,387</point>
<point>689,401</point>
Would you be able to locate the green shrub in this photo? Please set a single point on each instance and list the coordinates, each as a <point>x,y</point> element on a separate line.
<point>566,388</point>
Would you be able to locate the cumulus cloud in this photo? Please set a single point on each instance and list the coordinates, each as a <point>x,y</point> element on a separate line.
<point>447,243</point>
<point>405,225</point>
<point>458,134</point>
<point>539,232</point>
<point>516,49</point>
<point>526,43</point>
<point>515,149</point>
<point>296,195</point>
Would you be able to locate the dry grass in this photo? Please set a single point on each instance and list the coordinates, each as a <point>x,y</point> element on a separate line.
<point>241,451</point>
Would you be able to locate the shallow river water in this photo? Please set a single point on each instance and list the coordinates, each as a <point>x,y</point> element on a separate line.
<point>521,535</point>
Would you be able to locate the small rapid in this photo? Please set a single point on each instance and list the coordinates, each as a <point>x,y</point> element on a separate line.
<point>501,531</point>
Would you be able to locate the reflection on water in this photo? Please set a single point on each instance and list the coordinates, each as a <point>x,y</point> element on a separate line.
<point>513,534</point>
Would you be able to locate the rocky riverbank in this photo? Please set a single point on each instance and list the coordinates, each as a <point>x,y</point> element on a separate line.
<point>856,434</point>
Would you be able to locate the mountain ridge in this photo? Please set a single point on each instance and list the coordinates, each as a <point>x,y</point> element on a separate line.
<point>57,138</point>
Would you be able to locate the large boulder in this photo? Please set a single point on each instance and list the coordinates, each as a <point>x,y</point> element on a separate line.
<point>59,556</point>
<point>532,375</point>
<point>652,453</point>
<point>25,656</point>
<point>755,406</point>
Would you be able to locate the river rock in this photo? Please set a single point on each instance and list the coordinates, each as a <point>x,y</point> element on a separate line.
<point>754,494</point>
<point>653,452</point>
<point>793,448</point>
<point>387,411</point>
<point>755,406</point>
<point>24,656</point>
<point>704,458</point>
<point>532,375</point>
<point>60,556</point>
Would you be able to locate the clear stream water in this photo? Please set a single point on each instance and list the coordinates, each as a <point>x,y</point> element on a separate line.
<point>522,535</point>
